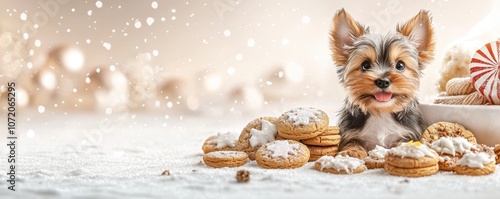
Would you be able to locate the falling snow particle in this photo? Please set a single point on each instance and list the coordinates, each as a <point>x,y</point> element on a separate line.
<point>154,4</point>
<point>137,24</point>
<point>170,104</point>
<point>38,43</point>
<point>30,133</point>
<point>26,36</point>
<point>155,53</point>
<point>23,16</point>
<point>251,42</point>
<point>112,68</point>
<point>285,41</point>
<point>230,71</point>
<point>106,45</point>
<point>227,33</point>
<point>173,10</point>
<point>150,21</point>
<point>109,111</point>
<point>88,41</point>
<point>173,18</point>
<point>41,109</point>
<point>98,4</point>
<point>306,19</point>
<point>239,57</point>
<point>89,12</point>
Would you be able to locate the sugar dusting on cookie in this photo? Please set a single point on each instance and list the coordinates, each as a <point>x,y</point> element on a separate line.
<point>378,152</point>
<point>222,140</point>
<point>282,148</point>
<point>225,154</point>
<point>339,162</point>
<point>265,135</point>
<point>302,115</point>
<point>412,149</point>
<point>452,145</point>
<point>476,160</point>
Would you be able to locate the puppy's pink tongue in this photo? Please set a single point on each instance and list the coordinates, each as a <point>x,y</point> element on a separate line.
<point>383,96</point>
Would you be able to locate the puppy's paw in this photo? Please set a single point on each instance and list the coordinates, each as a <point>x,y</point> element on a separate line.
<point>354,151</point>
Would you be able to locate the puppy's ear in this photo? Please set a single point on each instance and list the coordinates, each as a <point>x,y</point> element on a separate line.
<point>345,31</point>
<point>420,31</point>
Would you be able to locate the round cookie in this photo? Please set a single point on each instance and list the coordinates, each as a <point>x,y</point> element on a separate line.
<point>340,164</point>
<point>257,133</point>
<point>411,159</point>
<point>282,154</point>
<point>219,159</point>
<point>474,164</point>
<point>376,158</point>
<point>302,123</point>
<point>446,129</point>
<point>460,86</point>
<point>319,151</point>
<point>220,142</point>
<point>450,149</point>
<point>451,100</point>
<point>330,137</point>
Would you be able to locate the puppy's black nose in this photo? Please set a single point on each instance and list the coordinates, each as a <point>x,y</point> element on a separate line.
<point>382,83</point>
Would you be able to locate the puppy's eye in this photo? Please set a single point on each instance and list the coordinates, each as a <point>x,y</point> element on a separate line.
<point>400,65</point>
<point>366,65</point>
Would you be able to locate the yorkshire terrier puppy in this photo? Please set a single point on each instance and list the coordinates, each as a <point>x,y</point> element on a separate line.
<point>381,74</point>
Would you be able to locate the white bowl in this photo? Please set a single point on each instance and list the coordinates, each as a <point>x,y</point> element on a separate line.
<point>482,121</point>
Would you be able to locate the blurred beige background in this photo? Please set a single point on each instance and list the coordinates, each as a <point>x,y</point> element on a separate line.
<point>210,57</point>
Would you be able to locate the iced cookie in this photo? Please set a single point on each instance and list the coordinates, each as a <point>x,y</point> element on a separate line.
<point>330,137</point>
<point>474,164</point>
<point>411,159</point>
<point>282,154</point>
<point>319,151</point>
<point>450,149</point>
<point>376,157</point>
<point>460,86</point>
<point>258,132</point>
<point>302,123</point>
<point>446,129</point>
<point>221,142</point>
<point>220,159</point>
<point>340,164</point>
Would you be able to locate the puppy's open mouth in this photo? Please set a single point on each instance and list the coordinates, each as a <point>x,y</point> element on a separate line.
<point>383,96</point>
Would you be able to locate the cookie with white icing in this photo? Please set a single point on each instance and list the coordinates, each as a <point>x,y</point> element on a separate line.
<point>450,149</point>
<point>476,163</point>
<point>258,132</point>
<point>221,142</point>
<point>340,164</point>
<point>282,154</point>
<point>302,123</point>
<point>219,159</point>
<point>411,159</point>
<point>446,129</point>
<point>376,158</point>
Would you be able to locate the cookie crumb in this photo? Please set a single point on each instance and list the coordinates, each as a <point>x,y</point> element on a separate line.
<point>242,176</point>
<point>404,181</point>
<point>166,172</point>
<point>200,162</point>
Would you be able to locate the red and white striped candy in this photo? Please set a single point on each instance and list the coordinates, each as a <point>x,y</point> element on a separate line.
<point>485,71</point>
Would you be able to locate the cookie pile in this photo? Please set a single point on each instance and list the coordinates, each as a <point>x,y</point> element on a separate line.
<point>297,136</point>
<point>460,90</point>
<point>411,159</point>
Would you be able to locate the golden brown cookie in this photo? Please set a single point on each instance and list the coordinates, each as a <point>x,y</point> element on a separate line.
<point>340,165</point>
<point>257,133</point>
<point>460,86</point>
<point>411,172</point>
<point>220,159</point>
<point>376,157</point>
<point>220,142</point>
<point>302,123</point>
<point>411,159</point>
<point>476,163</point>
<point>446,129</point>
<point>447,162</point>
<point>451,100</point>
<point>282,154</point>
<point>330,137</point>
<point>319,151</point>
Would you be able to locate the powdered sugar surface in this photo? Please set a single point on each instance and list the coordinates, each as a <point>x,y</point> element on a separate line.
<point>265,135</point>
<point>302,115</point>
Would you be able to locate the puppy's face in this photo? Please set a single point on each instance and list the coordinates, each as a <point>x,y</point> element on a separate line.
<point>381,73</point>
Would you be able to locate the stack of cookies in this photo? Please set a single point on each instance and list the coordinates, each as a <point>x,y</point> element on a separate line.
<point>460,90</point>
<point>310,126</point>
